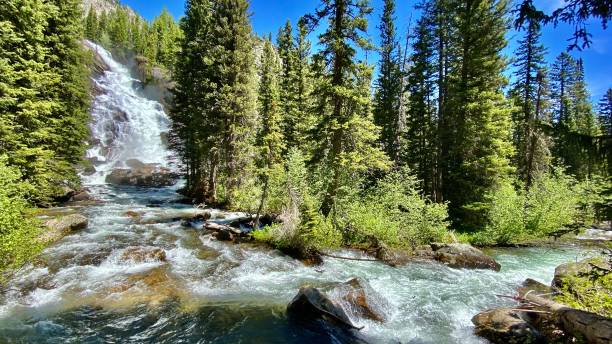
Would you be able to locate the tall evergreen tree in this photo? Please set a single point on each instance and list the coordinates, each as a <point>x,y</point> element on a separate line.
<point>67,58</point>
<point>303,81</point>
<point>605,113</point>
<point>388,85</point>
<point>91,26</point>
<point>345,128</point>
<point>289,84</point>
<point>215,102</point>
<point>562,78</point>
<point>481,139</point>
<point>575,121</point>
<point>165,35</point>
<point>421,136</point>
<point>582,108</point>
<point>526,93</point>
<point>270,141</point>
<point>43,104</point>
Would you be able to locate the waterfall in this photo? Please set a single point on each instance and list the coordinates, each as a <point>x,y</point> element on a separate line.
<point>124,124</point>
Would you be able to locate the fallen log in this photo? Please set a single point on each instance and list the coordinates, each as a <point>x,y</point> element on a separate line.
<point>348,258</point>
<point>594,328</point>
<point>212,226</point>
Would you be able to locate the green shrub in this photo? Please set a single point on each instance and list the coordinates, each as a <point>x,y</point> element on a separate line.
<point>18,232</point>
<point>394,212</point>
<point>552,203</point>
<point>505,216</point>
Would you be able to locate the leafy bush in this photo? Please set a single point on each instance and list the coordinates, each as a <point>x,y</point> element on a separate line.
<point>505,216</point>
<point>552,203</point>
<point>18,233</point>
<point>394,213</point>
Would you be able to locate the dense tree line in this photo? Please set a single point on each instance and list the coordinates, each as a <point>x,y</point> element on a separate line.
<point>44,99</point>
<point>470,139</point>
<point>44,103</point>
<point>125,32</point>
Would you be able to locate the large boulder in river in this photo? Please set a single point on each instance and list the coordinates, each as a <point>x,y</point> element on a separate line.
<point>311,304</point>
<point>506,326</point>
<point>361,300</point>
<point>60,227</point>
<point>463,256</point>
<point>148,175</point>
<point>316,312</point>
<point>392,257</point>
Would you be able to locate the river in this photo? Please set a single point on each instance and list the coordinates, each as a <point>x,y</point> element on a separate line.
<point>87,288</point>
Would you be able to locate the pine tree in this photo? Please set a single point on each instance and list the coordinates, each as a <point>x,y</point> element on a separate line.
<point>480,115</point>
<point>562,74</point>
<point>605,113</point>
<point>388,85</point>
<point>289,84</point>
<point>190,124</point>
<point>91,26</point>
<point>270,141</point>
<point>345,128</point>
<point>215,102</point>
<point>582,108</point>
<point>303,81</point>
<point>576,124</point>
<point>421,136</point>
<point>44,100</point>
<point>605,120</point>
<point>119,30</point>
<point>67,59</point>
<point>529,63</point>
<point>165,35</point>
<point>24,77</point>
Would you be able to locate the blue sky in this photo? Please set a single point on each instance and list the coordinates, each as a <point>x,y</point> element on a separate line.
<point>269,15</point>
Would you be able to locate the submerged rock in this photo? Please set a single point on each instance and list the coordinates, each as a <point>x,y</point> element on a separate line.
<point>139,254</point>
<point>149,175</point>
<point>62,226</point>
<point>463,256</point>
<point>505,326</point>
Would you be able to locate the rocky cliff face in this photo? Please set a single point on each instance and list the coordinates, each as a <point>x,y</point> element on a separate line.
<point>100,6</point>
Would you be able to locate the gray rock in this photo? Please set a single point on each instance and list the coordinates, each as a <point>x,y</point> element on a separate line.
<point>505,326</point>
<point>60,227</point>
<point>393,257</point>
<point>463,256</point>
<point>359,299</point>
<point>311,304</point>
<point>149,175</point>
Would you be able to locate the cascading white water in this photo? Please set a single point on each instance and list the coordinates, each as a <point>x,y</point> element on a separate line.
<point>124,124</point>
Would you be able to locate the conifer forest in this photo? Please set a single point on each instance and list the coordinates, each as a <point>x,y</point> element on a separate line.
<point>356,175</point>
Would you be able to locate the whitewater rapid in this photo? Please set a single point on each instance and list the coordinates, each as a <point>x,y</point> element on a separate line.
<point>83,289</point>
